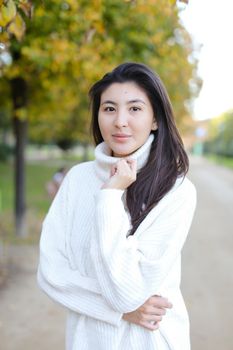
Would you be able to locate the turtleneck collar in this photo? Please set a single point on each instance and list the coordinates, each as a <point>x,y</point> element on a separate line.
<point>104,160</point>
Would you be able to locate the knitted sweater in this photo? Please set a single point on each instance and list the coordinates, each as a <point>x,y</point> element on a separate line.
<point>89,264</point>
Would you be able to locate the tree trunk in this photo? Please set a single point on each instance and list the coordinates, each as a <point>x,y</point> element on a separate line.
<point>19,96</point>
<point>20,128</point>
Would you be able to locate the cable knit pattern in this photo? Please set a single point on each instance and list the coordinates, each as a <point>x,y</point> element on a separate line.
<point>90,266</point>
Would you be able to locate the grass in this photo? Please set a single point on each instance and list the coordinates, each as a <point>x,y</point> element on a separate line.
<point>36,175</point>
<point>6,188</point>
<point>37,199</point>
<point>225,161</point>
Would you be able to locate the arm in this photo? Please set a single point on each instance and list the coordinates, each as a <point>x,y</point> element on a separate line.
<point>128,272</point>
<point>57,278</point>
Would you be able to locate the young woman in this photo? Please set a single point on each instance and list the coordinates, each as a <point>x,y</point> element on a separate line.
<point>111,243</point>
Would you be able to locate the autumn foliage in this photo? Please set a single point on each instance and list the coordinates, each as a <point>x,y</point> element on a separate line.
<point>69,44</point>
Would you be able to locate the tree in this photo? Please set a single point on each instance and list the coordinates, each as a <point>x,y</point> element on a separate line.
<point>12,21</point>
<point>69,44</point>
<point>220,135</point>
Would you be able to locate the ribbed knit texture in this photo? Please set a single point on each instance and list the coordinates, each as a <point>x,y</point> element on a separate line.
<point>88,264</point>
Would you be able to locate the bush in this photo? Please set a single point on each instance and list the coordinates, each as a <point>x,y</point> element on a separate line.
<point>5,152</point>
<point>220,141</point>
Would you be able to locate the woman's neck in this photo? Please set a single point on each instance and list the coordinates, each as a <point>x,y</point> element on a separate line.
<point>104,158</point>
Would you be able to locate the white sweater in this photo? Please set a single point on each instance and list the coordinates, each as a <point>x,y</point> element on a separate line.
<point>90,265</point>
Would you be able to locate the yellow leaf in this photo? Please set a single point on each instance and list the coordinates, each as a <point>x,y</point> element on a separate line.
<point>172,2</point>
<point>4,39</point>
<point>21,113</point>
<point>17,27</point>
<point>27,7</point>
<point>7,13</point>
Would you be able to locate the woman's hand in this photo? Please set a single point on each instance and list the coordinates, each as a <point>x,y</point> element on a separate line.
<point>122,175</point>
<point>150,313</point>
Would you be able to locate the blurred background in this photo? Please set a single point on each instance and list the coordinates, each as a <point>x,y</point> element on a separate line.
<point>51,52</point>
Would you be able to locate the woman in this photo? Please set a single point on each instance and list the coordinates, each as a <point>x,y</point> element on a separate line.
<point>112,240</point>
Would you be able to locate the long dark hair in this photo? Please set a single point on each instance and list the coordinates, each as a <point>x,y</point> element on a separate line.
<point>167,158</point>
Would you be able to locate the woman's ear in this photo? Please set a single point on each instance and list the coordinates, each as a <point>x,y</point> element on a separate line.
<point>154,125</point>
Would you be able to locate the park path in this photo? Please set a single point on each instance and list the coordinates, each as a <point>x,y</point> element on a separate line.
<point>208,258</point>
<point>29,320</point>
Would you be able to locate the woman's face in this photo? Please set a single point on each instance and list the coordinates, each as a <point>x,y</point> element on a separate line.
<point>125,118</point>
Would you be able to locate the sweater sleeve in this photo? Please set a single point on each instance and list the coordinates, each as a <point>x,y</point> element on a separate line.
<point>130,270</point>
<point>57,277</point>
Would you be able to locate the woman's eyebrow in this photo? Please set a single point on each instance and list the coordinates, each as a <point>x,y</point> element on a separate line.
<point>136,101</point>
<point>109,101</point>
<point>128,102</point>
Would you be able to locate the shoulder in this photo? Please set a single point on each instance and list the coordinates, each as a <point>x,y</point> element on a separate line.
<point>76,178</point>
<point>178,205</point>
<point>80,170</point>
<point>181,198</point>
<point>184,186</point>
<point>182,195</point>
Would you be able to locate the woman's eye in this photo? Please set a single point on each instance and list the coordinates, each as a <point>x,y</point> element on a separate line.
<point>135,109</point>
<point>109,109</point>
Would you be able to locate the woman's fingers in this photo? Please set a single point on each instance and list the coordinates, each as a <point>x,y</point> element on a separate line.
<point>113,170</point>
<point>159,311</point>
<point>150,326</point>
<point>150,313</point>
<point>153,310</point>
<point>132,163</point>
<point>151,318</point>
<point>143,320</point>
<point>159,302</point>
<point>122,174</point>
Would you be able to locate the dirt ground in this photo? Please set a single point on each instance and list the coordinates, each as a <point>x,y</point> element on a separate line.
<point>30,320</point>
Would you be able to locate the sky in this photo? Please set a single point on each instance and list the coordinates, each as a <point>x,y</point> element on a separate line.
<point>210,23</point>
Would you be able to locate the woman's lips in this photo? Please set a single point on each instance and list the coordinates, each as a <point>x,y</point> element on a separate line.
<point>121,137</point>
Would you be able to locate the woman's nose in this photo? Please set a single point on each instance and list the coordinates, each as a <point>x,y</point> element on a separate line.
<point>121,119</point>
